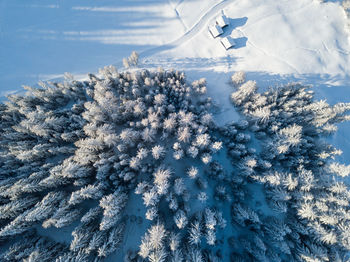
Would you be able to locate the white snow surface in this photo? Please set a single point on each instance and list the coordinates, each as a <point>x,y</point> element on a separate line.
<point>41,40</point>
<point>276,42</point>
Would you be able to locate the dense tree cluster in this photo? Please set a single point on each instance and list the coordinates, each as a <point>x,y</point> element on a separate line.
<point>79,154</point>
<point>303,185</point>
<point>73,152</point>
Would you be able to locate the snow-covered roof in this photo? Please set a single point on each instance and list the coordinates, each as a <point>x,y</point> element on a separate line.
<point>215,30</point>
<point>228,42</point>
<point>222,21</point>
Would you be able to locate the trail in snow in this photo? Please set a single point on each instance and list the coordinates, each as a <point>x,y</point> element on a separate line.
<point>259,19</point>
<point>194,30</point>
<point>177,14</point>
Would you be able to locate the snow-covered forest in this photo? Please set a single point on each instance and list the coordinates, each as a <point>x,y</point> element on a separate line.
<point>237,154</point>
<point>133,166</point>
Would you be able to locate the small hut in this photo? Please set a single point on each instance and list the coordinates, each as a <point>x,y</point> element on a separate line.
<point>215,30</point>
<point>222,21</point>
<point>228,42</point>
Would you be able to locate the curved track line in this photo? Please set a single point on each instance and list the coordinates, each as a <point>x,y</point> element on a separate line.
<point>194,30</point>
<point>177,14</point>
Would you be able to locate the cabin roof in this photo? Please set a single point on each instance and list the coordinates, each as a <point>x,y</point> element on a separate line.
<point>222,21</point>
<point>228,42</point>
<point>215,30</point>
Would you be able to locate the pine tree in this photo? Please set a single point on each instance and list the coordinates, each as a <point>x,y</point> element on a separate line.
<point>180,219</point>
<point>112,205</point>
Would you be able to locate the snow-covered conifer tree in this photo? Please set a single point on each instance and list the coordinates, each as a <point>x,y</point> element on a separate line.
<point>151,197</point>
<point>238,78</point>
<point>179,186</point>
<point>192,172</point>
<point>158,152</point>
<point>180,219</point>
<point>195,233</point>
<point>112,205</point>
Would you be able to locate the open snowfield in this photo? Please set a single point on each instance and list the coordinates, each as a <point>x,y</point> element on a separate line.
<point>277,42</point>
<point>40,40</point>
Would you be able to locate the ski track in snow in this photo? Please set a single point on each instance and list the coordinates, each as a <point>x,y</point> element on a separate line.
<point>198,26</point>
<point>277,14</point>
<point>177,14</point>
<point>268,54</point>
<point>207,16</point>
<point>193,31</point>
